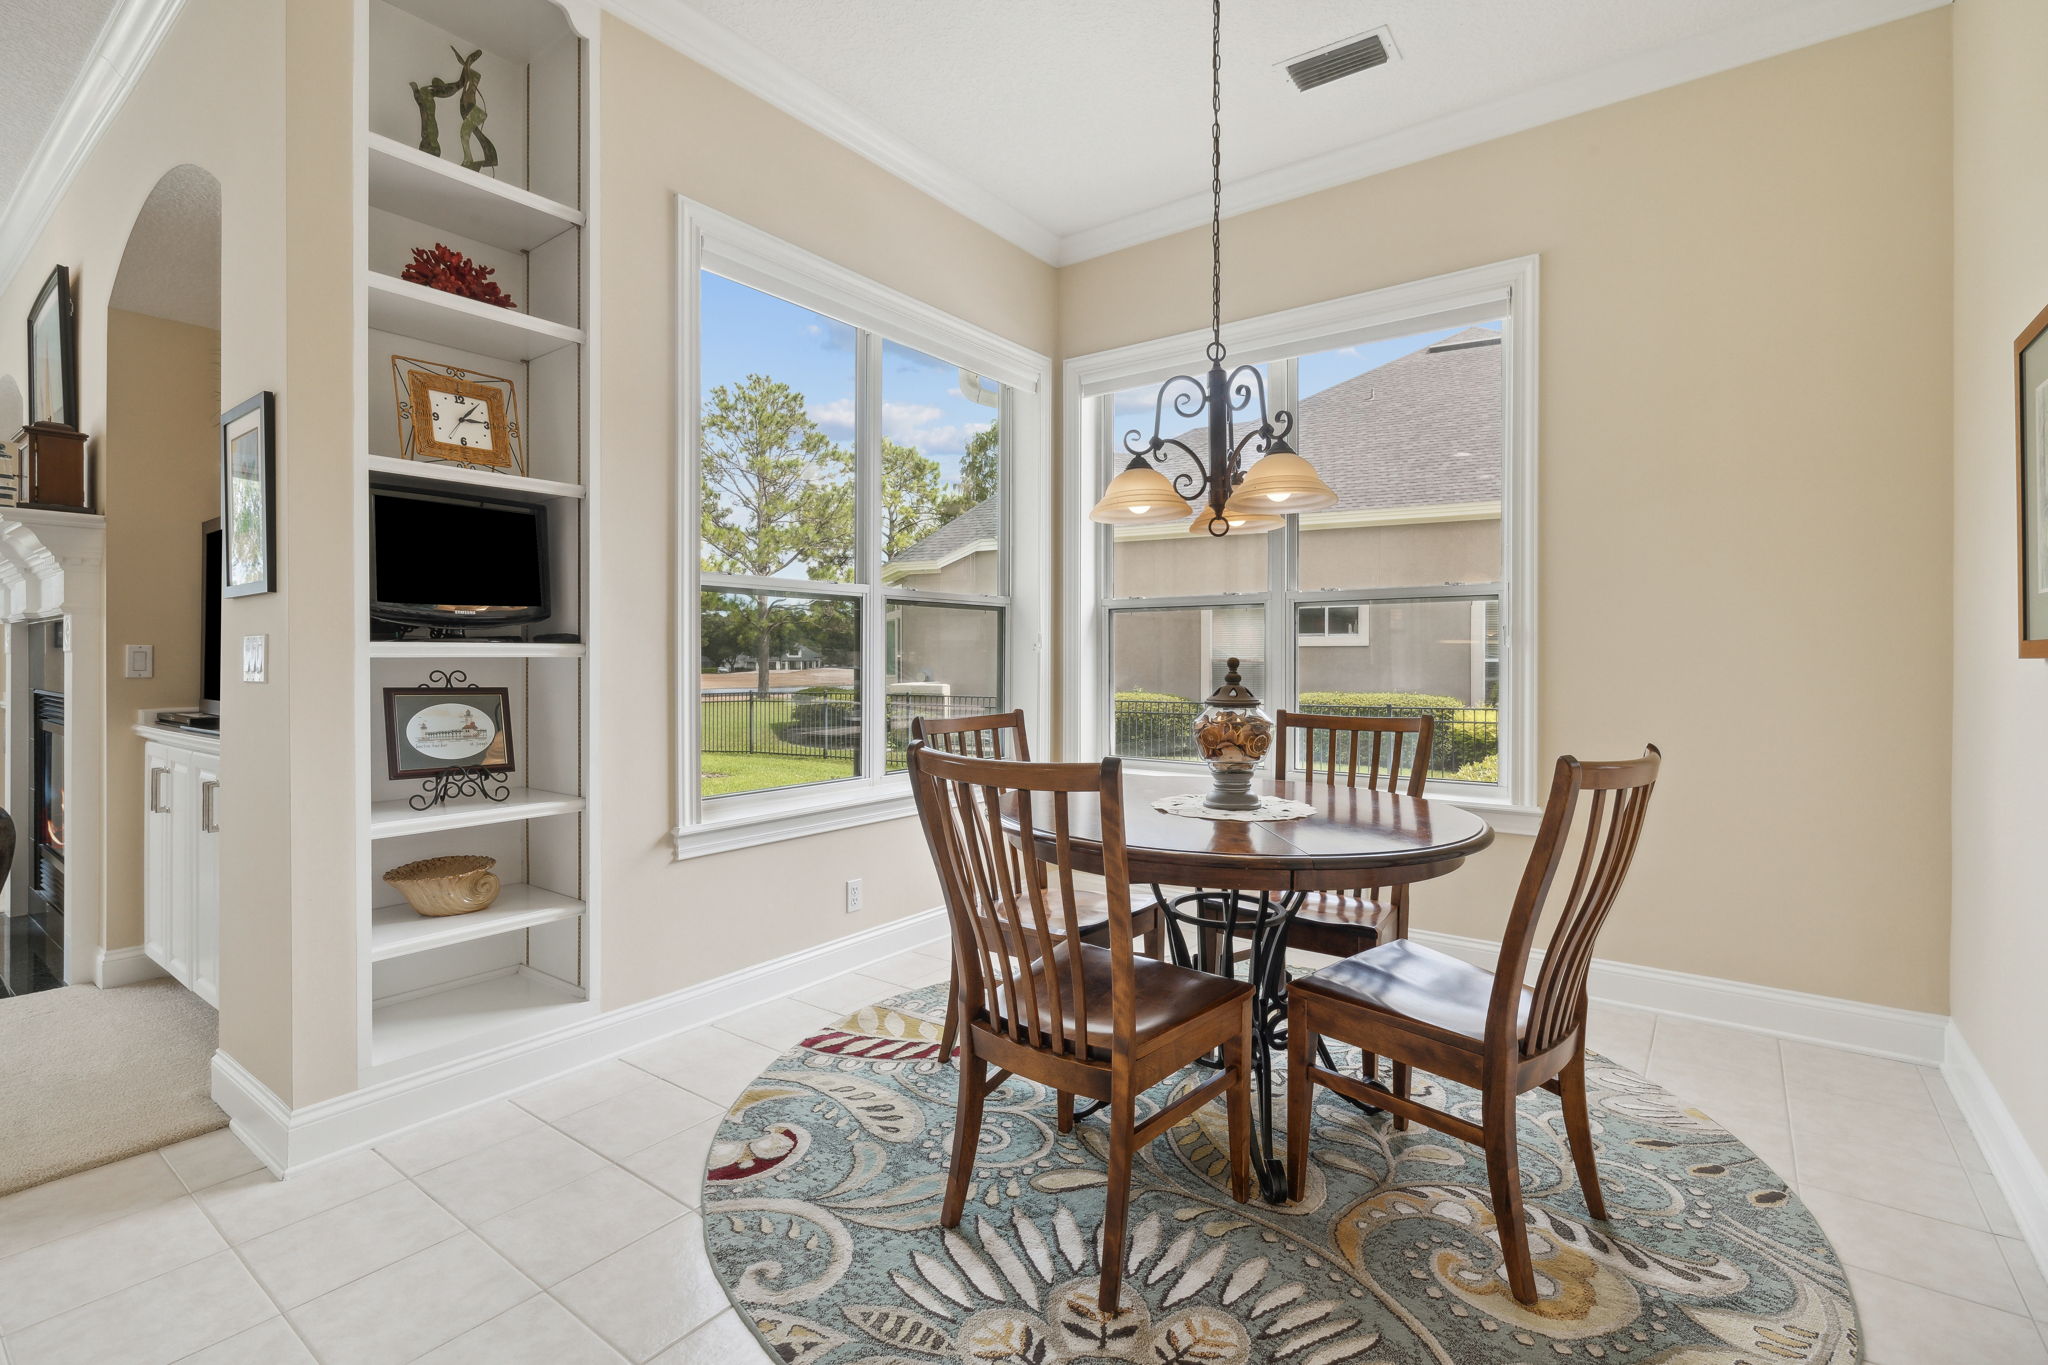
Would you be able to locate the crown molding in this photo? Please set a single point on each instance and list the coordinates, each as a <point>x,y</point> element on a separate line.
<point>125,44</point>
<point>1791,28</point>
<point>719,49</point>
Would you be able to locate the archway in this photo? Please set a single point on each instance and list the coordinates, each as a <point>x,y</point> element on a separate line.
<point>144,1051</point>
<point>159,485</point>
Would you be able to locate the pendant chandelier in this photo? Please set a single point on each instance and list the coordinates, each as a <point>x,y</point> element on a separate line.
<point>1235,498</point>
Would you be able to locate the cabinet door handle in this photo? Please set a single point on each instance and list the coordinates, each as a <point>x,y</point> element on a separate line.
<point>206,821</point>
<point>156,792</point>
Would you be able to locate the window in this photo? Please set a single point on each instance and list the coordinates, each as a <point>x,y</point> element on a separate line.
<point>1329,625</point>
<point>1410,596</point>
<point>848,485</point>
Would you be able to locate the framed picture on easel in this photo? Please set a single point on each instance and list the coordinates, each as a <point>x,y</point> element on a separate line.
<point>2030,378</point>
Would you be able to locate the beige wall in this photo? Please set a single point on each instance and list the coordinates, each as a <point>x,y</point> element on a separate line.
<point>280,146</point>
<point>670,127</point>
<point>159,481</point>
<point>2001,701</point>
<point>1745,333</point>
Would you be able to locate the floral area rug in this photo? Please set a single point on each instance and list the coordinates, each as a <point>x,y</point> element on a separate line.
<point>821,1207</point>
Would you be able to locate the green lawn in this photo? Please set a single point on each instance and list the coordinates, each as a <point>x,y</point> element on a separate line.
<point>724,774</point>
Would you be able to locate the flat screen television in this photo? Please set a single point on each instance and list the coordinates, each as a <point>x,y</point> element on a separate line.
<point>209,645</point>
<point>452,560</point>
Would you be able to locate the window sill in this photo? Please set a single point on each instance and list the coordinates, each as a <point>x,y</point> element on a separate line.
<point>795,817</point>
<point>1504,816</point>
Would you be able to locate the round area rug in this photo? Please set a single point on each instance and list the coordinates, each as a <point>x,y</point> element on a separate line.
<point>821,1206</point>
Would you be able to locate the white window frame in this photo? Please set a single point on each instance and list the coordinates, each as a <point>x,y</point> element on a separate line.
<point>1505,289</point>
<point>707,239</point>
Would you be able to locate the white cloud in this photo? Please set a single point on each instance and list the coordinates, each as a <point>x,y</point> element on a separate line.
<point>836,417</point>
<point>910,424</point>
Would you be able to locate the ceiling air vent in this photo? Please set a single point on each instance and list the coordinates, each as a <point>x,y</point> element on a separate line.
<point>1339,60</point>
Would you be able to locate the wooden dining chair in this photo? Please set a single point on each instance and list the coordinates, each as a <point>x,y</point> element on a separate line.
<point>1002,736</point>
<point>1340,923</point>
<point>1038,1002</point>
<point>1487,1030</point>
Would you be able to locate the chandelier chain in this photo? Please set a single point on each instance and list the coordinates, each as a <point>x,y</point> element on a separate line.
<point>1216,182</point>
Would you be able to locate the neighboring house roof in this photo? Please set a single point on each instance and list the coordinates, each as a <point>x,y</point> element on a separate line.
<point>974,529</point>
<point>1421,431</point>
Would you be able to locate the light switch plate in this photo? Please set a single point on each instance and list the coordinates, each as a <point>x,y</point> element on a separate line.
<point>255,658</point>
<point>141,661</point>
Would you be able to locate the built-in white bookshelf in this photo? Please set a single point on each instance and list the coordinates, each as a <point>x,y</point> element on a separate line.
<point>435,990</point>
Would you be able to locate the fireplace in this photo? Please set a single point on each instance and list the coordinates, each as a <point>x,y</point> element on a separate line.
<point>39,928</point>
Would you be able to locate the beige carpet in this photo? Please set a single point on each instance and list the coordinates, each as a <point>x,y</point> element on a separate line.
<point>90,1076</point>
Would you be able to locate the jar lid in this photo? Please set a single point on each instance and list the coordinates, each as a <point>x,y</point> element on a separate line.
<point>1233,692</point>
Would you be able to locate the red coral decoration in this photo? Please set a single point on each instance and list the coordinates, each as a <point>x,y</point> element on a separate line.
<point>452,272</point>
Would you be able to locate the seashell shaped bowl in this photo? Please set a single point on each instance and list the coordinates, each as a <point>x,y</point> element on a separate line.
<point>458,884</point>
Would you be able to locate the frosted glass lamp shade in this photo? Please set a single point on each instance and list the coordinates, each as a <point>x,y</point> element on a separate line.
<point>1139,496</point>
<point>1283,482</point>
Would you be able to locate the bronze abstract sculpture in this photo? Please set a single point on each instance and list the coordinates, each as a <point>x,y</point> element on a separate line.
<point>467,87</point>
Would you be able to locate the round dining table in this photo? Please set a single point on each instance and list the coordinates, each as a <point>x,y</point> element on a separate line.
<point>1246,879</point>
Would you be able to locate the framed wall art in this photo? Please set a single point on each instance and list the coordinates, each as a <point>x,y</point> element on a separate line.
<point>450,415</point>
<point>429,731</point>
<point>2030,377</point>
<point>248,497</point>
<point>53,354</point>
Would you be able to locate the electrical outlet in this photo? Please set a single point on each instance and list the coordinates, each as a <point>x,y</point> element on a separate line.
<point>853,895</point>
<point>141,661</point>
<point>255,658</point>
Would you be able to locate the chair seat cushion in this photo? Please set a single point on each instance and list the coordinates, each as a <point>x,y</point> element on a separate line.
<point>1404,978</point>
<point>1167,996</point>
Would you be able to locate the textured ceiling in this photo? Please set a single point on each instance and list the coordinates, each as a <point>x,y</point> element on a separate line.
<point>171,266</point>
<point>1080,113</point>
<point>43,45</point>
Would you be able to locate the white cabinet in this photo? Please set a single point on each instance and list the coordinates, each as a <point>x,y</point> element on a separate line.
<point>181,864</point>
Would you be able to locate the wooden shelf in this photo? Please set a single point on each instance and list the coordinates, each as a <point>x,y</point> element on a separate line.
<point>426,472</point>
<point>442,319</point>
<point>439,193</point>
<point>516,1004</point>
<point>471,649</point>
<point>396,930</point>
<point>391,819</point>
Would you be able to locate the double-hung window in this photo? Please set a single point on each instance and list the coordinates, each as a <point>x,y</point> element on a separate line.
<point>853,463</point>
<point>1413,595</point>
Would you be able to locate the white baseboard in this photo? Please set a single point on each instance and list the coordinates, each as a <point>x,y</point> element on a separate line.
<point>288,1140</point>
<point>123,967</point>
<point>2013,1163</point>
<point>1907,1035</point>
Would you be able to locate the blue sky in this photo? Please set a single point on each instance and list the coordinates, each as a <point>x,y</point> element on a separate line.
<point>748,332</point>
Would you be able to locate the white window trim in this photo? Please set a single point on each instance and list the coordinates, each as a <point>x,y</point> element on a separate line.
<point>1504,288</point>
<point>705,237</point>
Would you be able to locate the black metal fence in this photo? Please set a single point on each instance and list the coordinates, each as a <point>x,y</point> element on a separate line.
<point>1165,729</point>
<point>816,722</point>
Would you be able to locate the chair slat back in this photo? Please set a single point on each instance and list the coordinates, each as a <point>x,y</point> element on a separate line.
<point>999,735</point>
<point>1604,847</point>
<point>992,736</point>
<point>1004,926</point>
<point>1374,745</point>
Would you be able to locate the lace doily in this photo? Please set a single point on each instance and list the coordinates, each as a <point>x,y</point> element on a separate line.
<point>1269,808</point>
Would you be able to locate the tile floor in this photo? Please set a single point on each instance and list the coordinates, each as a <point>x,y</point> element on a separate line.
<point>559,1226</point>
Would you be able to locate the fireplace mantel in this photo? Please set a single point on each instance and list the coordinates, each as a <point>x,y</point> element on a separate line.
<point>38,552</point>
